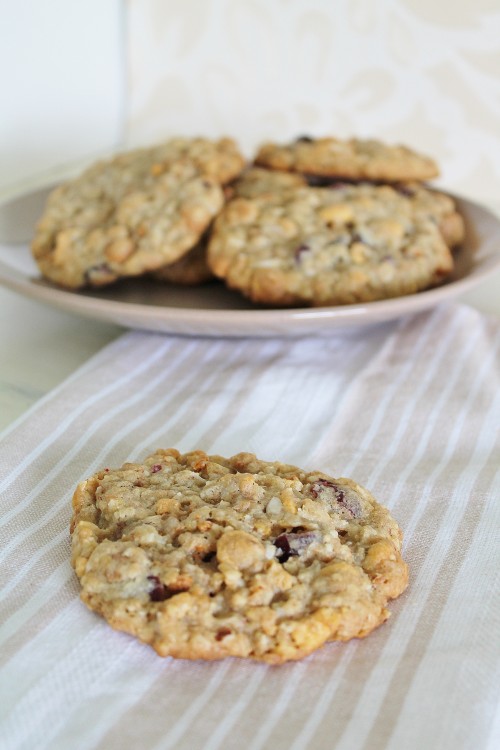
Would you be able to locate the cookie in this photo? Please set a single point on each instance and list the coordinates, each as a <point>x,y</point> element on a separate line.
<point>317,246</point>
<point>354,159</point>
<point>124,217</point>
<point>191,270</point>
<point>256,181</point>
<point>204,557</point>
<point>221,160</point>
<point>427,202</point>
<point>439,207</point>
<point>134,213</point>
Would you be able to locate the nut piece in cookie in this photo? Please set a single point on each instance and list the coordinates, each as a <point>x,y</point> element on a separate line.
<point>354,159</point>
<point>204,557</point>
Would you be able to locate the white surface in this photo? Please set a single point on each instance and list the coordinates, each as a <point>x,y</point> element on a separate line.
<point>62,82</point>
<point>39,347</point>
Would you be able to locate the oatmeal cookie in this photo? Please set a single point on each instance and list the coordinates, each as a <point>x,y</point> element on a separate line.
<point>427,201</point>
<point>134,213</point>
<point>437,206</point>
<point>191,270</point>
<point>221,160</point>
<point>204,557</point>
<point>123,218</point>
<point>327,246</point>
<point>355,159</point>
<point>256,181</point>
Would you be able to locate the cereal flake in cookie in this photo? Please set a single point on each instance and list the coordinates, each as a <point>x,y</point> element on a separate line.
<point>354,159</point>
<point>120,218</point>
<point>327,246</point>
<point>204,557</point>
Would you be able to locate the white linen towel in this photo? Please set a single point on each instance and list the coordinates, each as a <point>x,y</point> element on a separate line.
<point>410,409</point>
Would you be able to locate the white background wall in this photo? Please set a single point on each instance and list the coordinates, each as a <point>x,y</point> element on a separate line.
<point>425,72</point>
<point>83,77</point>
<point>62,84</point>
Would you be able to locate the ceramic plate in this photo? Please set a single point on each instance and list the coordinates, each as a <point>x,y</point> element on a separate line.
<point>213,310</point>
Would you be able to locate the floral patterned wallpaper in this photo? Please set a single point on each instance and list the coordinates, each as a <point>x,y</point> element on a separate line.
<point>422,72</point>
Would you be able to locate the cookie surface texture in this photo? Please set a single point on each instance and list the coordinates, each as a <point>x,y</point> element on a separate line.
<point>221,160</point>
<point>439,207</point>
<point>191,270</point>
<point>355,159</point>
<point>328,246</point>
<point>256,181</point>
<point>134,213</point>
<point>206,557</point>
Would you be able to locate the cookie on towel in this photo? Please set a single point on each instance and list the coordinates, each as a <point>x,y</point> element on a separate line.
<point>354,159</point>
<point>204,557</point>
<point>327,246</point>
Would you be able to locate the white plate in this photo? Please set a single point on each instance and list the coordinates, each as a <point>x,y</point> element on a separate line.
<point>213,310</point>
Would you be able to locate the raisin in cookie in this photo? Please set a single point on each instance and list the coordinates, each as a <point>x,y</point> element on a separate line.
<point>355,159</point>
<point>134,213</point>
<point>321,246</point>
<point>207,557</point>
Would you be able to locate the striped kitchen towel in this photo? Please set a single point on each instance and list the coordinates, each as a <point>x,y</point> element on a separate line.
<point>409,408</point>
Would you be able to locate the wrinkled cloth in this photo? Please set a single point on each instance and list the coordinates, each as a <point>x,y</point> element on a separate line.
<point>410,409</point>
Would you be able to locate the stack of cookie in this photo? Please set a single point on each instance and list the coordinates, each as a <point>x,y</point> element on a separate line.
<point>313,222</point>
<point>330,222</point>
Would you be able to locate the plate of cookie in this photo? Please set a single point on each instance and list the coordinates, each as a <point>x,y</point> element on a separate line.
<point>189,237</point>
